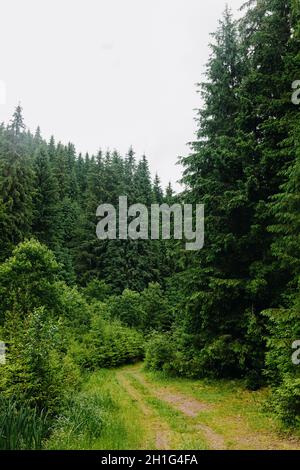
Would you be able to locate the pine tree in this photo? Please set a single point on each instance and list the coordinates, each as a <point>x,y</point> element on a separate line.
<point>234,170</point>
<point>212,175</point>
<point>45,201</point>
<point>169,197</point>
<point>16,185</point>
<point>17,126</point>
<point>129,172</point>
<point>51,150</point>
<point>142,183</point>
<point>158,195</point>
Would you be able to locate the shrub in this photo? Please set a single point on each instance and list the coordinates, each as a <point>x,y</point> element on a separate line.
<point>286,401</point>
<point>28,279</point>
<point>157,312</point>
<point>37,371</point>
<point>74,309</point>
<point>160,352</point>
<point>223,357</point>
<point>284,329</point>
<point>128,308</point>
<point>97,290</point>
<point>108,344</point>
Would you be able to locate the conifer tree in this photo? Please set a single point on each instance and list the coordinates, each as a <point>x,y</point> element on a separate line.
<point>142,182</point>
<point>158,195</point>
<point>45,200</point>
<point>17,126</point>
<point>16,185</point>
<point>212,175</point>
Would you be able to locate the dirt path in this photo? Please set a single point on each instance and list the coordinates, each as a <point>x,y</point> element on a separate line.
<point>177,420</point>
<point>189,406</point>
<point>159,428</point>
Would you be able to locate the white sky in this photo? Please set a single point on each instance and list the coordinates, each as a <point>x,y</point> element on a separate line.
<point>109,73</point>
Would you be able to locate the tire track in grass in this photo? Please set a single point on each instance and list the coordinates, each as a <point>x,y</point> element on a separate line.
<point>159,428</point>
<point>242,436</point>
<point>189,406</point>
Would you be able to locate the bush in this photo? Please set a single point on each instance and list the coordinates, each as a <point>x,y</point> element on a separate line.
<point>286,401</point>
<point>121,345</point>
<point>146,311</point>
<point>127,308</point>
<point>160,352</point>
<point>157,312</point>
<point>223,357</point>
<point>37,371</point>
<point>74,309</point>
<point>97,291</point>
<point>284,329</point>
<point>108,344</point>
<point>28,279</point>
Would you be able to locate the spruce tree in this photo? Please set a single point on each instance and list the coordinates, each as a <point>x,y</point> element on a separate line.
<point>16,185</point>
<point>158,194</point>
<point>45,200</point>
<point>212,174</point>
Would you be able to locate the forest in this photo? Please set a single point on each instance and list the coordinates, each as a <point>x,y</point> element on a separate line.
<point>76,311</point>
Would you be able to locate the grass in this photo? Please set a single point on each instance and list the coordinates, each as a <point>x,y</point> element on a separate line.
<point>183,435</point>
<point>236,411</point>
<point>106,418</point>
<point>21,427</point>
<point>124,409</point>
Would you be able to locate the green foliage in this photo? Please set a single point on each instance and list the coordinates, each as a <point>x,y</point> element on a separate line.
<point>45,200</point>
<point>108,344</point>
<point>37,372</point>
<point>97,290</point>
<point>83,415</point>
<point>231,310</point>
<point>128,308</point>
<point>146,311</point>
<point>21,427</point>
<point>38,309</point>
<point>160,351</point>
<point>157,314</point>
<point>284,376</point>
<point>284,328</point>
<point>74,309</point>
<point>27,279</point>
<point>286,401</point>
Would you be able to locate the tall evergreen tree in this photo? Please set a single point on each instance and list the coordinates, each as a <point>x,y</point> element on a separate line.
<point>142,183</point>
<point>17,125</point>
<point>45,200</point>
<point>158,194</point>
<point>213,175</point>
<point>16,185</point>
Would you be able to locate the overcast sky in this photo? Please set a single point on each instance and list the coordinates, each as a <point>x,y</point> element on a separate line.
<point>109,73</point>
